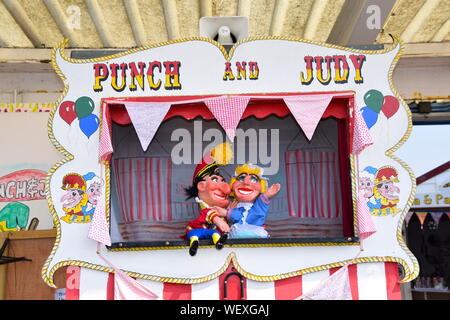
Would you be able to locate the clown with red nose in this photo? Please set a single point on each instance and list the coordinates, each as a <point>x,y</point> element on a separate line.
<point>252,195</point>
<point>210,190</point>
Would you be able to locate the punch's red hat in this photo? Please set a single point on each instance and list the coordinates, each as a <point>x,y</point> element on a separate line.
<point>73,181</point>
<point>219,155</point>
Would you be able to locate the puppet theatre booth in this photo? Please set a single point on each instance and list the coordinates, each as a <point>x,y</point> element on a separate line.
<point>264,173</point>
<point>428,234</point>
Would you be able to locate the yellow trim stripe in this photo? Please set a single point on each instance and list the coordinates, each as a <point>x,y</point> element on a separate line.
<point>26,107</point>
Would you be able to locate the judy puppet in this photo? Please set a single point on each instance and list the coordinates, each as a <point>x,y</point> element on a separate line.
<point>252,196</point>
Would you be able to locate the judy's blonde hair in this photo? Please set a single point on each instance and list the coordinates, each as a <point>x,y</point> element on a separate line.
<point>249,169</point>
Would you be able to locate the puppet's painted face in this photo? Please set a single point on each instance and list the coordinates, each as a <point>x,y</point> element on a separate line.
<point>247,187</point>
<point>388,190</point>
<point>72,198</point>
<point>93,192</point>
<point>214,191</point>
<point>366,184</point>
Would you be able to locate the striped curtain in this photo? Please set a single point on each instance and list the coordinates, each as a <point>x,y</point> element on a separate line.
<point>143,188</point>
<point>313,184</point>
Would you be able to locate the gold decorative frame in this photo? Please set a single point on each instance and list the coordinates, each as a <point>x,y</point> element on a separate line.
<point>409,274</point>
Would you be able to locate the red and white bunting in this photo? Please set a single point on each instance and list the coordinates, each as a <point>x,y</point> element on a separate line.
<point>436,217</point>
<point>308,110</point>
<point>105,146</point>
<point>126,287</point>
<point>361,134</point>
<point>99,230</point>
<point>408,216</point>
<point>335,287</point>
<point>422,216</point>
<point>366,226</point>
<point>228,112</point>
<point>146,118</point>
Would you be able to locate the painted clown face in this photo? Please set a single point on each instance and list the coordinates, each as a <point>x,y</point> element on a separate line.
<point>93,192</point>
<point>214,191</point>
<point>388,190</point>
<point>72,198</point>
<point>247,187</point>
<point>366,185</point>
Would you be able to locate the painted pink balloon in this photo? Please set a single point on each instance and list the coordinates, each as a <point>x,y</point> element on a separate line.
<point>390,106</point>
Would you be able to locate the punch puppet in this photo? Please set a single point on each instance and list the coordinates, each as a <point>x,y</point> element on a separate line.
<point>209,189</point>
<point>249,188</point>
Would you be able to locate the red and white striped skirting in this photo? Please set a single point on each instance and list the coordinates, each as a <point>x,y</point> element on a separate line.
<point>368,281</point>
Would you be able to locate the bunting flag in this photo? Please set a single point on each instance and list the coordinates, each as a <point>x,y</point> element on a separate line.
<point>335,287</point>
<point>422,216</point>
<point>361,134</point>
<point>98,230</point>
<point>408,217</point>
<point>127,288</point>
<point>228,112</point>
<point>146,118</point>
<point>436,217</point>
<point>105,146</point>
<point>366,227</point>
<point>308,110</point>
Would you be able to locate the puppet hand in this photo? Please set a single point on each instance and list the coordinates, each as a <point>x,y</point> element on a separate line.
<point>221,224</point>
<point>232,205</point>
<point>221,211</point>
<point>273,190</point>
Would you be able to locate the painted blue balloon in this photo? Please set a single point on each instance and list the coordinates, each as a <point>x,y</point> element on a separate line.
<point>89,124</point>
<point>370,116</point>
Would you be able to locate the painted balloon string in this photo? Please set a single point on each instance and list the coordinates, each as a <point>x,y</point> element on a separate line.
<point>82,109</point>
<point>375,102</point>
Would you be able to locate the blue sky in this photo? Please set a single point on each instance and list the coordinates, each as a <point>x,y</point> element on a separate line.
<point>427,148</point>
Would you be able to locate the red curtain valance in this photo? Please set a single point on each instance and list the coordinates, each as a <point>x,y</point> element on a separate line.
<point>336,104</point>
<point>260,108</point>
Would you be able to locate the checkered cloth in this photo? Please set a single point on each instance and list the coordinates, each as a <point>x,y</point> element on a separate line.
<point>228,112</point>
<point>98,230</point>
<point>361,134</point>
<point>105,148</point>
<point>308,110</point>
<point>146,118</point>
<point>366,226</point>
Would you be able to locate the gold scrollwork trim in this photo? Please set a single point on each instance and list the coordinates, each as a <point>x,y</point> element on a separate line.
<point>67,157</point>
<point>242,245</point>
<point>227,56</point>
<point>409,276</point>
<point>231,258</point>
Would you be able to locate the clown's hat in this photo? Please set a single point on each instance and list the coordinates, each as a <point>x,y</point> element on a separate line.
<point>73,181</point>
<point>386,174</point>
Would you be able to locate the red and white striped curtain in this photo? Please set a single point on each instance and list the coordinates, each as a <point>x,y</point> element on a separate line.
<point>313,184</point>
<point>143,188</point>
